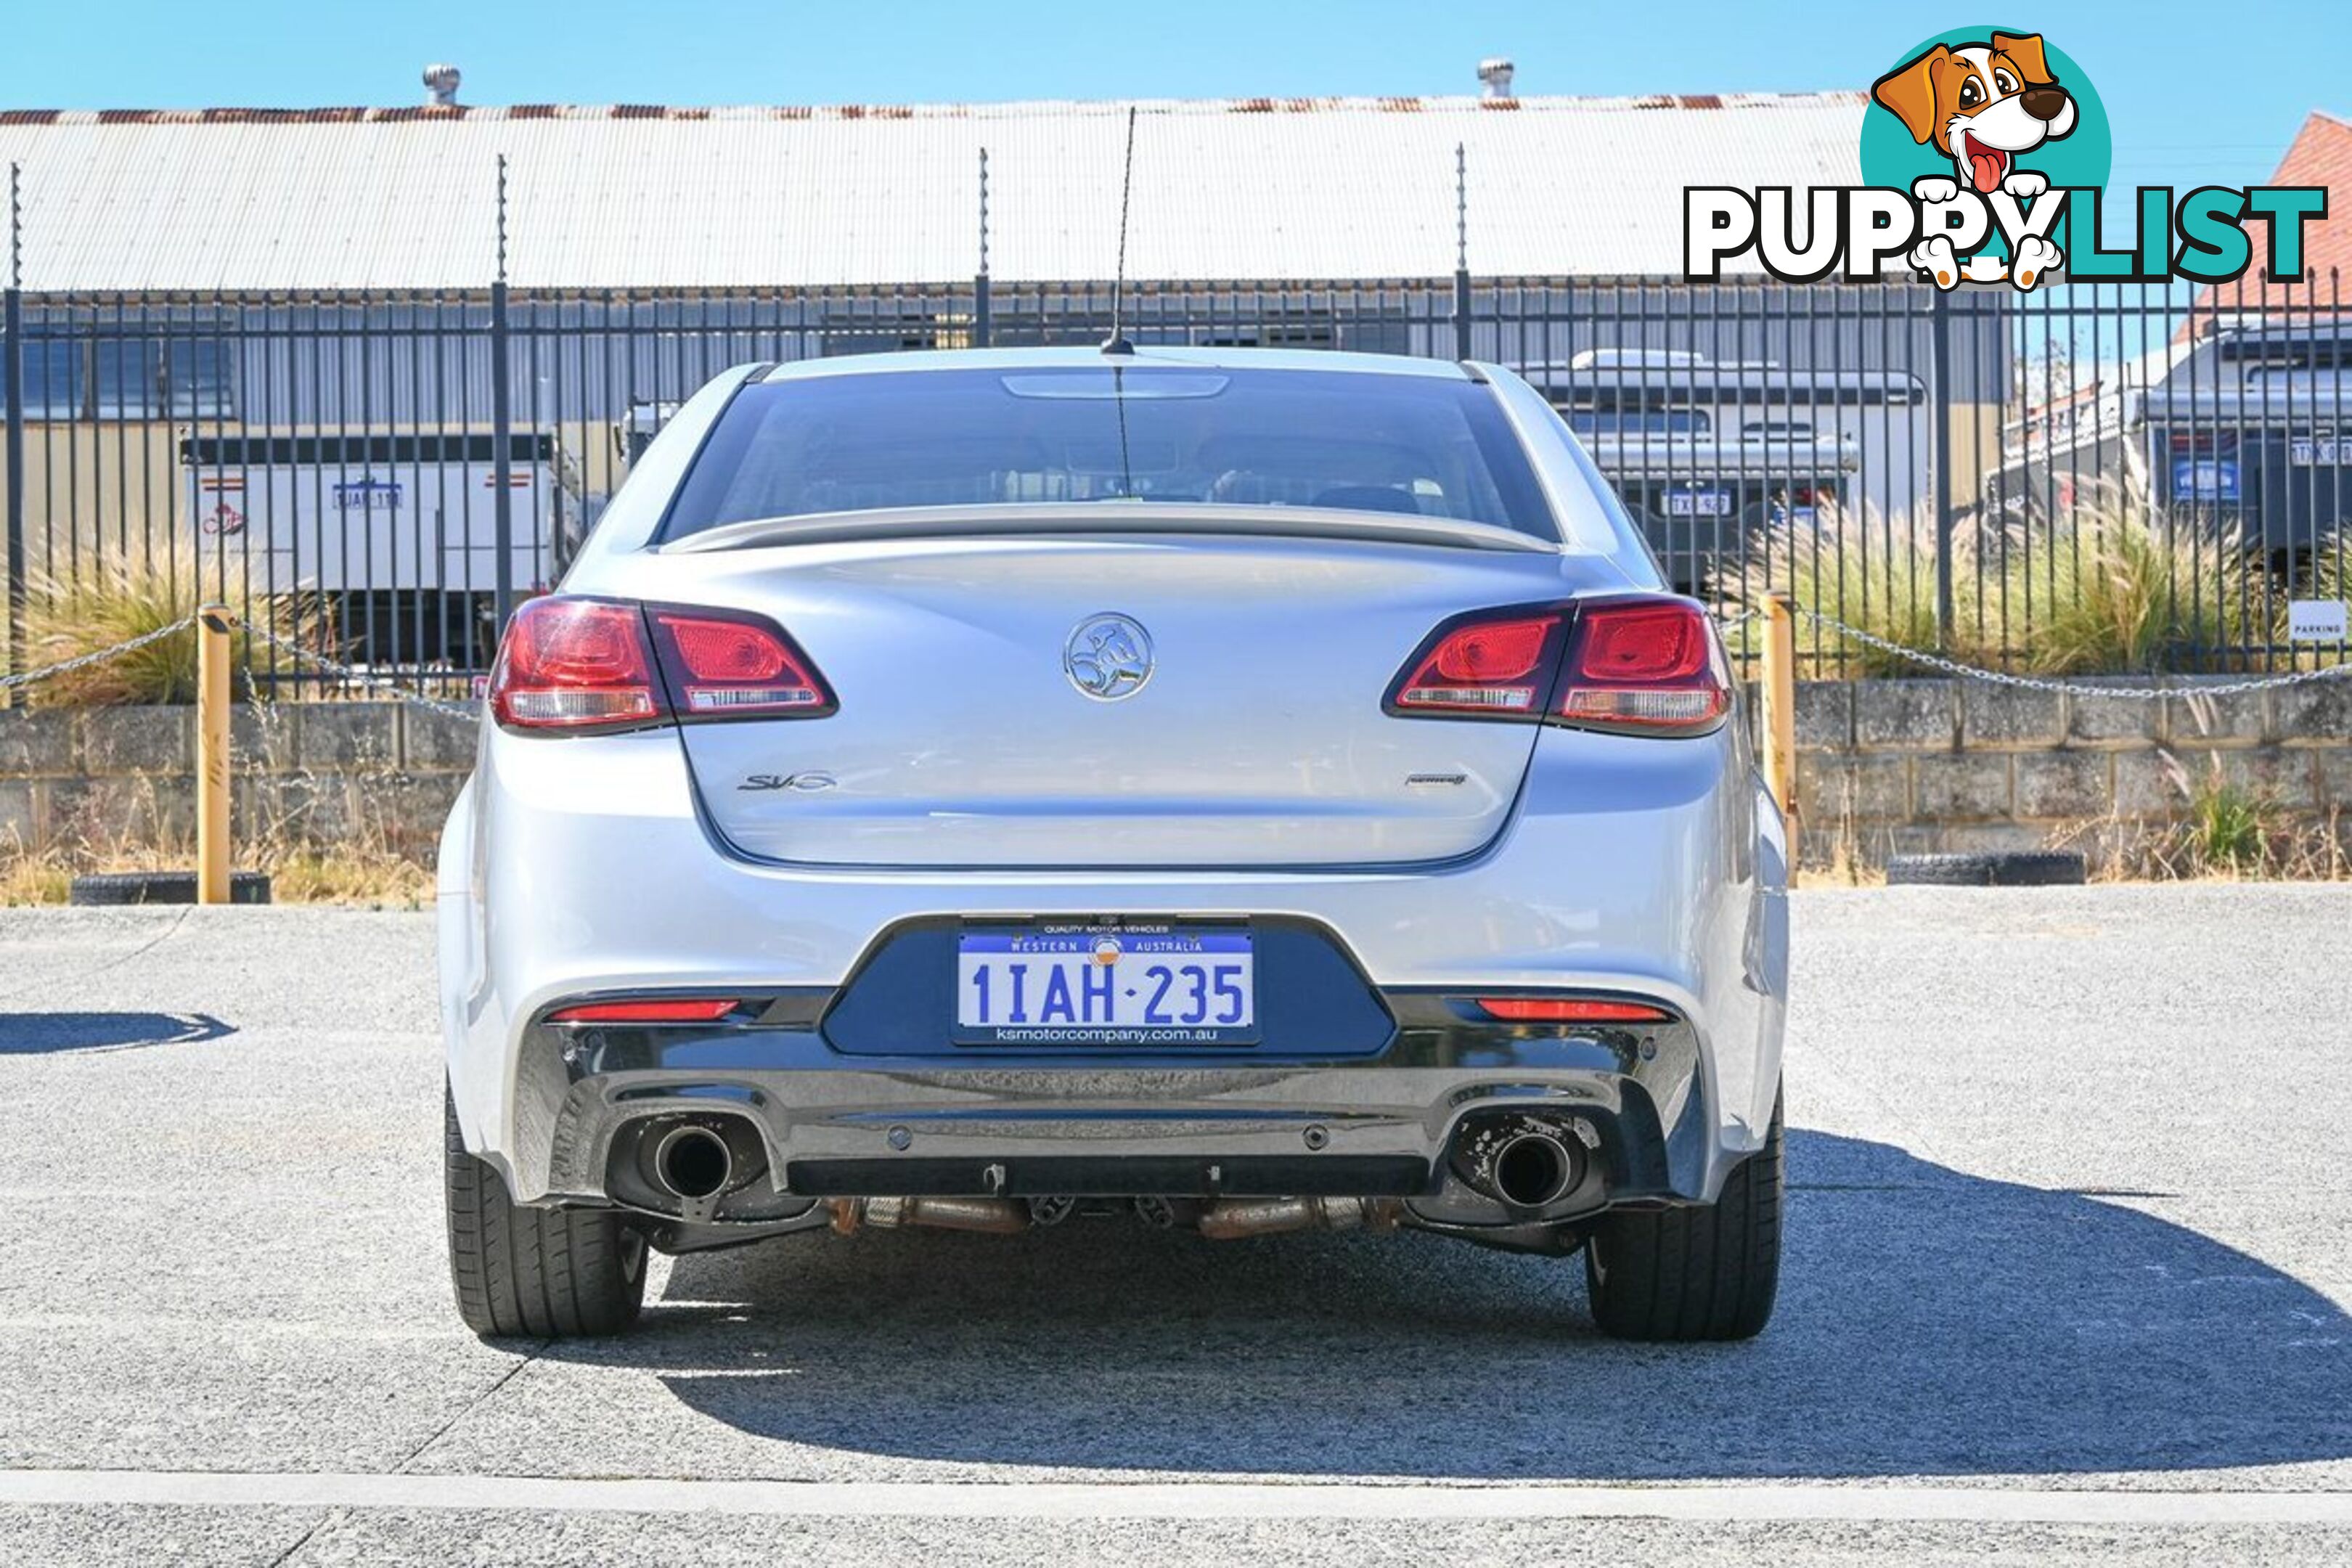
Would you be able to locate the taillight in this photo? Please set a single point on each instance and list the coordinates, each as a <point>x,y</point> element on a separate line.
<point>575,664</point>
<point>1644,667</point>
<point>648,1010</point>
<point>729,664</point>
<point>590,665</point>
<point>1637,663</point>
<point>1570,1010</point>
<point>1498,663</point>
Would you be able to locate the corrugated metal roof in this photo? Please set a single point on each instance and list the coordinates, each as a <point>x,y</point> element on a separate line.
<point>641,196</point>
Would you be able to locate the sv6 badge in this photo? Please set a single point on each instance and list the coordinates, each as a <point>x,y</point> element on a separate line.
<point>806,784</point>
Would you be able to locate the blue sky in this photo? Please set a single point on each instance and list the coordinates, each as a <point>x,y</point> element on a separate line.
<point>2202,94</point>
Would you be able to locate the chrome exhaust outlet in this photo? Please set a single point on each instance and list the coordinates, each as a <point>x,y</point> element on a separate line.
<point>693,1164</point>
<point>1000,1217</point>
<point>1230,1219</point>
<point>1523,1163</point>
<point>1533,1169</point>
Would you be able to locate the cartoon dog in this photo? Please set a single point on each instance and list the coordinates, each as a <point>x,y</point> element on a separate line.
<point>1981,105</point>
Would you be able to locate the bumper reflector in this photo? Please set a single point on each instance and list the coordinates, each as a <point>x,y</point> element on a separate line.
<point>650,1010</point>
<point>1570,1010</point>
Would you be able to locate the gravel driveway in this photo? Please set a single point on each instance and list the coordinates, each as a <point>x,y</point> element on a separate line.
<point>2070,1255</point>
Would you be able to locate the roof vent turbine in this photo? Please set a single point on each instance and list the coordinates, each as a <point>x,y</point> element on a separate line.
<point>441,85</point>
<point>1495,74</point>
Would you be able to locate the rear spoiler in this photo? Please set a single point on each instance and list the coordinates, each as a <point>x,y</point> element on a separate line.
<point>1096,518</point>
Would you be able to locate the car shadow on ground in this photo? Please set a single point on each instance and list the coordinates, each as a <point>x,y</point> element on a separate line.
<point>1930,1322</point>
<point>41,1034</point>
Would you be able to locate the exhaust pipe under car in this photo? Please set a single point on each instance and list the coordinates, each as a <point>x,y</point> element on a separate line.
<point>1229,1219</point>
<point>1003,1216</point>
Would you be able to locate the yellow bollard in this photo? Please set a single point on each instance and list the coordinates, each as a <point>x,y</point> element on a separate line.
<point>1780,711</point>
<point>212,856</point>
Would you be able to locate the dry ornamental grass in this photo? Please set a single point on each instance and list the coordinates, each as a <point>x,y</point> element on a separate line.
<point>125,599</point>
<point>2112,590</point>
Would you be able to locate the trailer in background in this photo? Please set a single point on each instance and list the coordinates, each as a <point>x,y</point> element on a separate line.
<point>1707,454</point>
<point>395,535</point>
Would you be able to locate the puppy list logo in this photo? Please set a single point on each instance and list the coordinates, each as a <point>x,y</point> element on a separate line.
<point>1968,108</point>
<point>1985,157</point>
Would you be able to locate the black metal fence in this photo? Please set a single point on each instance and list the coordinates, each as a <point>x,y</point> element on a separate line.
<point>2001,476</point>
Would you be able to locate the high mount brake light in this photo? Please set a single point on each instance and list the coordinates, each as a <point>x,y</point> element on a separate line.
<point>1570,1010</point>
<point>592,665</point>
<point>1646,664</point>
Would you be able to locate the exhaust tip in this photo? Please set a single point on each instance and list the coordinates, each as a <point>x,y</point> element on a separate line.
<point>1525,1162</point>
<point>1532,1169</point>
<point>693,1162</point>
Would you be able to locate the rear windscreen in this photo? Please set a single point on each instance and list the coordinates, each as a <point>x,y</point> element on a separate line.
<point>1420,445</point>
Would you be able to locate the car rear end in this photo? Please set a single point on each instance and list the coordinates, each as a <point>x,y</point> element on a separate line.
<point>1251,792</point>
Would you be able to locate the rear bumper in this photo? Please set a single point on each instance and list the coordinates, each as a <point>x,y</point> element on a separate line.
<point>1630,867</point>
<point>829,1125</point>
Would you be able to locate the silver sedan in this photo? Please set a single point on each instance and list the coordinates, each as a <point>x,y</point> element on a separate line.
<point>1249,791</point>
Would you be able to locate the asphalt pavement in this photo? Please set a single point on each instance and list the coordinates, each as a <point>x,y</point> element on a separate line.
<point>2070,1260</point>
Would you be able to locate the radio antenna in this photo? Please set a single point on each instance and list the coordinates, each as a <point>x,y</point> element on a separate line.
<point>1117,342</point>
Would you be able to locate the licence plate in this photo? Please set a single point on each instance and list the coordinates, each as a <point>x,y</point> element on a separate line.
<point>1698,503</point>
<point>1106,985</point>
<point>2205,478</point>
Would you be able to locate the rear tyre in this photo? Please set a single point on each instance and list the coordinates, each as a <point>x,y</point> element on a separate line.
<point>1989,868</point>
<point>1709,1271</point>
<point>110,888</point>
<point>534,1273</point>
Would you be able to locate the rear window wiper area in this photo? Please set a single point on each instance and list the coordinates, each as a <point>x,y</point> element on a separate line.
<point>1099,517</point>
<point>1434,449</point>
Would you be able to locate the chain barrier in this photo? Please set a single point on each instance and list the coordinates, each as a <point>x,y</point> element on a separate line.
<point>83,662</point>
<point>354,675</point>
<point>336,667</point>
<point>2078,688</point>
